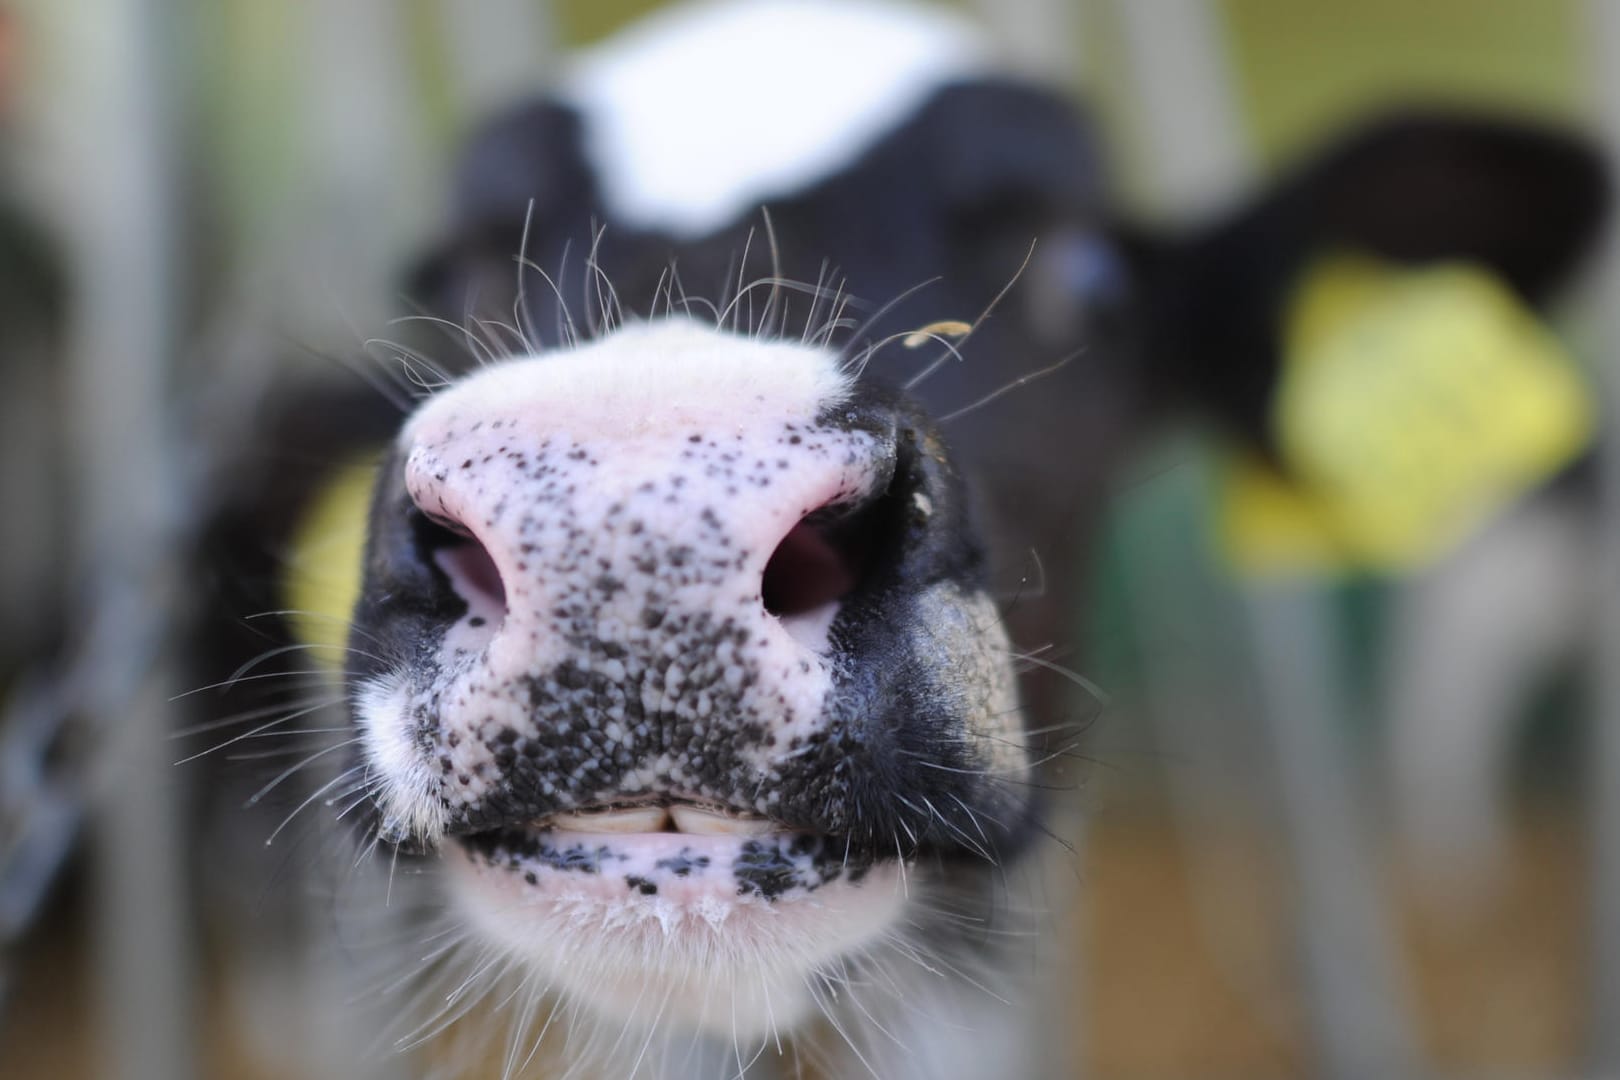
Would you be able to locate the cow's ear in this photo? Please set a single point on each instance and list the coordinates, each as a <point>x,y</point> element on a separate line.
<point>1522,202</point>
<point>522,177</point>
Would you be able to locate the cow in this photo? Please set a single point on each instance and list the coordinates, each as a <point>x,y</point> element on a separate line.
<point>706,708</point>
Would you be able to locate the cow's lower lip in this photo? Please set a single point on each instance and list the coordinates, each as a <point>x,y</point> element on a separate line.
<point>695,925</point>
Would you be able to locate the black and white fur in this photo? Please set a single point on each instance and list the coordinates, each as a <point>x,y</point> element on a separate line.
<point>682,684</point>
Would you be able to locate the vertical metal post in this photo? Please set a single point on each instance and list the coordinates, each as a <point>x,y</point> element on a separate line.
<point>125,259</point>
<point>368,162</point>
<point>1604,780</point>
<point>1357,992</point>
<point>1040,37</point>
<point>1179,73</point>
<point>1199,160</point>
<point>366,207</point>
<point>497,50</point>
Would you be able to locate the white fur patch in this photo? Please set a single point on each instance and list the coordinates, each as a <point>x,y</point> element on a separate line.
<point>696,116</point>
<point>407,787</point>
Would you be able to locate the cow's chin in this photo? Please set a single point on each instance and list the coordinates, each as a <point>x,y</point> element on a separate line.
<point>701,949</point>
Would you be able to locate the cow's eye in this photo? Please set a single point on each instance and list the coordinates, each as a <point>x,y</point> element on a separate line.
<point>1086,265</point>
<point>1075,278</point>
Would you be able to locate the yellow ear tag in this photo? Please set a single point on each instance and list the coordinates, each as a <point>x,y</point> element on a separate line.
<point>1412,404</point>
<point>323,567</point>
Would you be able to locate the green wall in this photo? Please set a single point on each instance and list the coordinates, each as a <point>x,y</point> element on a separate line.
<point>1304,67</point>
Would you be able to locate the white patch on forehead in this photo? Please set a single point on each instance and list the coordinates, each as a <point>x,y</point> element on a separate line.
<point>696,116</point>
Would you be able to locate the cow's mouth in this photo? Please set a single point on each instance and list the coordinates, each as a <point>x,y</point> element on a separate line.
<point>661,821</point>
<point>689,904</point>
<point>675,848</point>
<point>667,815</point>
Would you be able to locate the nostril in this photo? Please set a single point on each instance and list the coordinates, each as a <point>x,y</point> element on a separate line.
<point>473,575</point>
<point>808,574</point>
<point>469,567</point>
<point>805,572</point>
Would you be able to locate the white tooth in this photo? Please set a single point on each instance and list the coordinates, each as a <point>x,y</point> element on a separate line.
<point>692,819</point>
<point>640,819</point>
